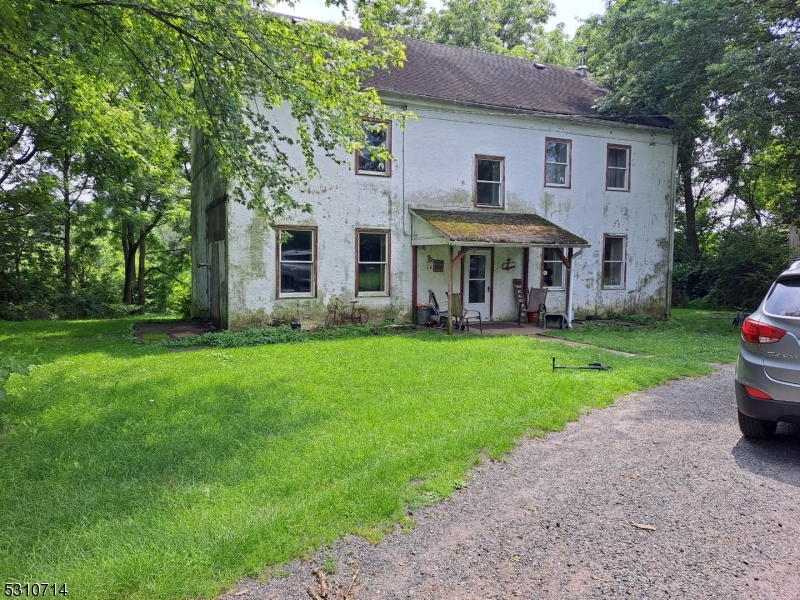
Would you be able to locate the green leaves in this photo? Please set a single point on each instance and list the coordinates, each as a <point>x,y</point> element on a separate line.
<point>12,364</point>
<point>219,65</point>
<point>513,27</point>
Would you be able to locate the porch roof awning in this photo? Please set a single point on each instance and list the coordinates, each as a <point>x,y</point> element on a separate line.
<point>479,228</point>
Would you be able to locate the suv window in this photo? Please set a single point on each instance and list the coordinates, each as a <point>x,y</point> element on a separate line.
<point>784,299</point>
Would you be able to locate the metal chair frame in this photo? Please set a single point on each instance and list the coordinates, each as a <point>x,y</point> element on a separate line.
<point>462,316</point>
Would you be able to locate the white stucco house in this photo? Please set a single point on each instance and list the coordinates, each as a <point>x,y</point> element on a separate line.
<point>507,173</point>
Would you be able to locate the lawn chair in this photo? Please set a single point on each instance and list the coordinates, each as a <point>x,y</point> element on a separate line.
<point>536,304</point>
<point>440,315</point>
<point>463,317</point>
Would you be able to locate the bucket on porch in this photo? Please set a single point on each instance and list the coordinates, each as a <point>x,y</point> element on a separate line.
<point>533,316</point>
<point>423,314</point>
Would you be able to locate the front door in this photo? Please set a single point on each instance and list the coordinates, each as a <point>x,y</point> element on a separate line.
<point>477,286</point>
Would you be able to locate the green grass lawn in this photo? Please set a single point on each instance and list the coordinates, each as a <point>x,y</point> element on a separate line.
<point>130,471</point>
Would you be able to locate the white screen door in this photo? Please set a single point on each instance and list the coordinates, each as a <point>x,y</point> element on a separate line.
<point>477,290</point>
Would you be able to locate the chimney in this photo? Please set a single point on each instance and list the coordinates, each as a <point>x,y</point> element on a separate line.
<point>582,70</point>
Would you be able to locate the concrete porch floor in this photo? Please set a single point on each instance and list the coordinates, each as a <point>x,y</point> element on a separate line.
<point>507,328</point>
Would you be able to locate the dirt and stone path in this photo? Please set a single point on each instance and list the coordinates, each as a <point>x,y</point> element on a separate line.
<point>656,497</point>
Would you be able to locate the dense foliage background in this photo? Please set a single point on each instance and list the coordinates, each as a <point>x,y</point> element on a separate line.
<point>97,102</point>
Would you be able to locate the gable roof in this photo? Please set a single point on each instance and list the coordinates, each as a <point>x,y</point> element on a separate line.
<point>478,78</point>
<point>477,227</point>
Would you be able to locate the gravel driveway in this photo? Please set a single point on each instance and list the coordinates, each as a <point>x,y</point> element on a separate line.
<point>556,520</point>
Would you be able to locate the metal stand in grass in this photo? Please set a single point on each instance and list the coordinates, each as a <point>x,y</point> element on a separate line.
<point>589,367</point>
<point>739,318</point>
<point>337,317</point>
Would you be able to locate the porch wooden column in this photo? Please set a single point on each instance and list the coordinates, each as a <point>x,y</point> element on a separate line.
<point>526,257</point>
<point>569,287</point>
<point>450,292</point>
<point>414,253</point>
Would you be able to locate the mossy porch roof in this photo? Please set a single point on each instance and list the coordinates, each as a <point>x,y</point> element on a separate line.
<point>483,227</point>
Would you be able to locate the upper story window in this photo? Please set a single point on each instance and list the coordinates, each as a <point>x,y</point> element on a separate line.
<point>297,258</point>
<point>489,181</point>
<point>372,252</point>
<point>379,141</point>
<point>557,162</point>
<point>552,269</point>
<point>618,170</point>
<point>614,262</point>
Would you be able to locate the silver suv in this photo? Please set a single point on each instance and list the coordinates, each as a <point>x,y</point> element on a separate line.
<point>768,369</point>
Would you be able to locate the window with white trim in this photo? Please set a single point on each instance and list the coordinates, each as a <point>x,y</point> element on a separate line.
<point>614,262</point>
<point>618,168</point>
<point>372,276</point>
<point>371,159</point>
<point>296,262</point>
<point>552,269</point>
<point>557,162</point>
<point>489,181</point>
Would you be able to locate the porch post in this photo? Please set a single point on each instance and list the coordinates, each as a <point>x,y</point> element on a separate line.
<point>526,254</point>
<point>414,253</point>
<point>569,287</point>
<point>450,268</point>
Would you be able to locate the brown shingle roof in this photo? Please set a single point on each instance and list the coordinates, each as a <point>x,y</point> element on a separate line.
<point>478,227</point>
<point>474,77</point>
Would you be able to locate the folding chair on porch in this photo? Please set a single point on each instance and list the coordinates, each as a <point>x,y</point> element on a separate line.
<point>536,304</point>
<point>463,317</point>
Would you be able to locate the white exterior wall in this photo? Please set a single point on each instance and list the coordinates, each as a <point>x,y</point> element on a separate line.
<point>434,168</point>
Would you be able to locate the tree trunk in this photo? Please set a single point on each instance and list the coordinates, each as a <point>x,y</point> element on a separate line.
<point>129,257</point>
<point>67,227</point>
<point>142,251</point>
<point>18,275</point>
<point>691,210</point>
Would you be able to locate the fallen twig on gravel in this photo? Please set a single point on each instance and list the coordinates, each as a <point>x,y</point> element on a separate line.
<point>338,592</point>
<point>350,587</point>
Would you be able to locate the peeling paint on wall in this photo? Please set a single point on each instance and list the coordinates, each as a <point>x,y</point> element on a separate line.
<point>547,203</point>
<point>257,247</point>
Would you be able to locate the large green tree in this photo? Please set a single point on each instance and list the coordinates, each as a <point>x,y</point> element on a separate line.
<point>200,64</point>
<point>720,69</point>
<point>29,233</point>
<point>514,27</point>
<point>493,25</point>
<point>133,199</point>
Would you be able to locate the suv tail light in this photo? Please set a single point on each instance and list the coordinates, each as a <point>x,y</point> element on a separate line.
<point>755,393</point>
<point>754,332</point>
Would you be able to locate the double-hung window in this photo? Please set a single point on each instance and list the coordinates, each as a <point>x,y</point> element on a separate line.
<point>372,255</point>
<point>489,181</point>
<point>557,159</point>
<point>297,258</point>
<point>618,162</point>
<point>613,262</point>
<point>552,269</point>
<point>371,159</point>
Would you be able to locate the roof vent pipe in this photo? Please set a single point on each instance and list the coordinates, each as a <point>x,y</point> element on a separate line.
<point>582,70</point>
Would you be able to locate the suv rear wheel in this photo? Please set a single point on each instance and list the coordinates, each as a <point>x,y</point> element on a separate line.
<point>758,429</point>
